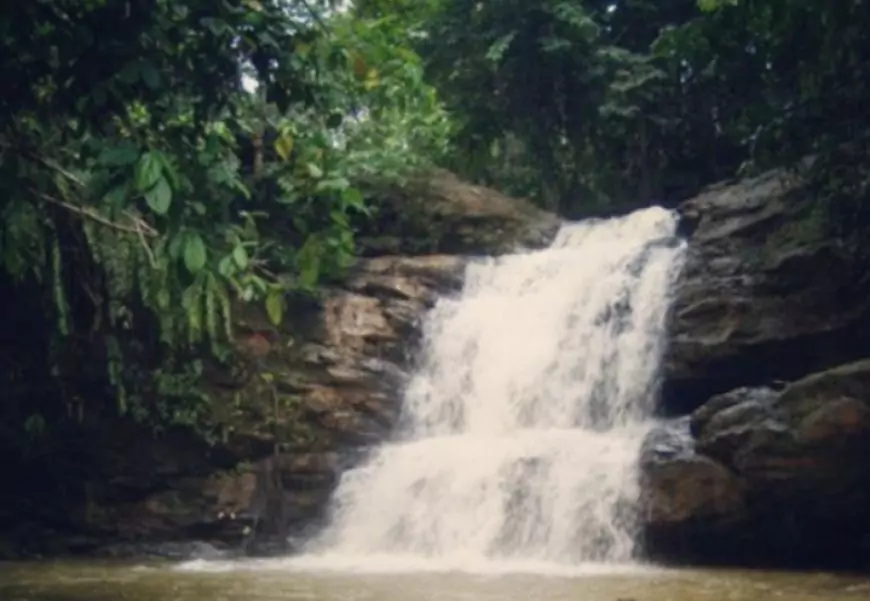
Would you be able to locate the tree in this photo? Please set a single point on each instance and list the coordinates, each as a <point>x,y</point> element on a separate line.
<point>594,106</point>
<point>149,188</point>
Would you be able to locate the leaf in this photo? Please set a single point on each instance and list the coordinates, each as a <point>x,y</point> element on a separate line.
<point>176,245</point>
<point>121,155</point>
<point>240,256</point>
<point>496,52</point>
<point>334,120</point>
<point>284,146</point>
<point>341,219</point>
<point>308,262</point>
<point>194,252</point>
<point>148,171</point>
<point>332,184</point>
<point>225,267</point>
<point>116,196</point>
<point>372,80</point>
<point>168,169</point>
<point>275,306</point>
<point>163,298</point>
<point>159,198</point>
<point>712,5</point>
<point>314,171</point>
<point>150,76</point>
<point>353,198</point>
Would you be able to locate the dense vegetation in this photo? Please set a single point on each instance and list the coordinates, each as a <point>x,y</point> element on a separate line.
<point>163,161</point>
<point>590,104</point>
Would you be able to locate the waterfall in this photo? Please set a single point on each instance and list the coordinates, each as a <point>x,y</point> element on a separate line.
<point>521,427</point>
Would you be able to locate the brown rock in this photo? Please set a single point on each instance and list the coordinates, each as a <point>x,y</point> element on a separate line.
<point>838,420</point>
<point>691,488</point>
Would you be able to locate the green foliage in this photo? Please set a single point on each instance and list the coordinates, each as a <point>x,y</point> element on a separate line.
<point>147,191</point>
<point>547,98</point>
<point>711,5</point>
<point>787,80</point>
<point>592,105</point>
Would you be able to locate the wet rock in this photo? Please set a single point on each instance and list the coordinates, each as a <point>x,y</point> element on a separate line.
<point>177,551</point>
<point>691,488</point>
<point>762,396</point>
<point>682,485</point>
<point>765,294</point>
<point>747,424</point>
<point>773,477</point>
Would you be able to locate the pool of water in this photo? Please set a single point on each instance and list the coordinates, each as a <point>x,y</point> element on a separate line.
<point>292,581</point>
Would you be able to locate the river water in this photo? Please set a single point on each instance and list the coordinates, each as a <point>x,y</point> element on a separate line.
<point>277,581</point>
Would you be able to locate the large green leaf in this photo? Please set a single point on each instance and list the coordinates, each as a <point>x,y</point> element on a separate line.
<point>240,256</point>
<point>148,171</point>
<point>194,252</point>
<point>275,307</point>
<point>119,155</point>
<point>159,196</point>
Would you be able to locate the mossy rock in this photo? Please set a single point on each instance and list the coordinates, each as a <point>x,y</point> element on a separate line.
<point>439,213</point>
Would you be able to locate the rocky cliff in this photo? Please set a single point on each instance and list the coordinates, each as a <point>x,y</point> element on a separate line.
<point>770,465</point>
<point>766,294</point>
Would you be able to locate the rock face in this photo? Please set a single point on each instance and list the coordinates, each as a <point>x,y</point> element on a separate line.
<point>770,331</point>
<point>326,386</point>
<point>441,214</point>
<point>764,296</point>
<point>300,404</point>
<point>762,477</point>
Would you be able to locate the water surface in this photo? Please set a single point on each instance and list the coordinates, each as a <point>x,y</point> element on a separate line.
<point>281,580</point>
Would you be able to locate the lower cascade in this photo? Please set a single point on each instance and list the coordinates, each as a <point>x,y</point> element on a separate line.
<point>521,427</point>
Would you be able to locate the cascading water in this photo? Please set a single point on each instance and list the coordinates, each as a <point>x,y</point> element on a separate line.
<point>521,429</point>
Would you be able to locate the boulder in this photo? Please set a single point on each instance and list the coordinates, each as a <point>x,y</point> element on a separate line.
<point>682,485</point>
<point>439,213</point>
<point>766,478</point>
<point>766,293</point>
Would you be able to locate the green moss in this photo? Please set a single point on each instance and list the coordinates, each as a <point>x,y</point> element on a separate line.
<point>808,227</point>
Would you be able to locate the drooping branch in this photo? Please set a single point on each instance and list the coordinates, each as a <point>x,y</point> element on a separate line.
<point>138,226</point>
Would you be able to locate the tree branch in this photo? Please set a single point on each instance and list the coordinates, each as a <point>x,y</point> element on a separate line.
<point>139,226</point>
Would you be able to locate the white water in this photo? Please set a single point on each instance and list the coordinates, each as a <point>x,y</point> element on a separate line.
<point>522,426</point>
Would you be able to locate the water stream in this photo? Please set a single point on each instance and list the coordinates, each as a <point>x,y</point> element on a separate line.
<point>521,428</point>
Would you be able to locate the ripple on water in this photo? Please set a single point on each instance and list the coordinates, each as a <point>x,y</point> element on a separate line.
<point>328,579</point>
